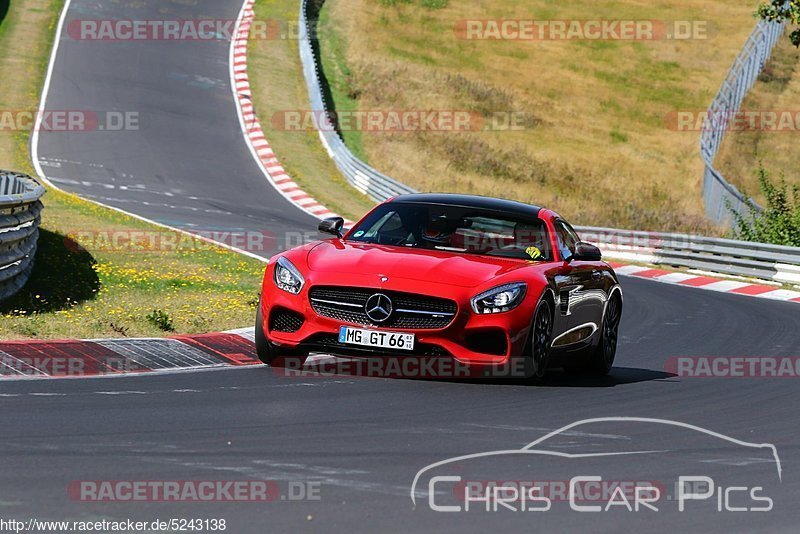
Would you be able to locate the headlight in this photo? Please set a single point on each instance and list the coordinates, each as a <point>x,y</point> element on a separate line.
<point>499,299</point>
<point>287,277</point>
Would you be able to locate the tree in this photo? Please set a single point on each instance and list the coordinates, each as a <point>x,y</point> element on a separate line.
<point>779,222</point>
<point>780,10</point>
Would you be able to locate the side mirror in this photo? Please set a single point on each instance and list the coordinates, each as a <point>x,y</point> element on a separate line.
<point>586,252</point>
<point>331,225</point>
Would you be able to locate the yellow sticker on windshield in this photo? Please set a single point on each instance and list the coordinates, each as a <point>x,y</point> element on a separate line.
<point>534,252</point>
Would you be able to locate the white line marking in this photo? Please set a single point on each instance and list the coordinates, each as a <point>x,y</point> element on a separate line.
<point>239,47</point>
<point>780,294</point>
<point>675,278</point>
<point>631,269</point>
<point>725,286</point>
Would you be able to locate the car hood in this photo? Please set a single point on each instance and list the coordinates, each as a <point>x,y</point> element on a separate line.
<point>461,270</point>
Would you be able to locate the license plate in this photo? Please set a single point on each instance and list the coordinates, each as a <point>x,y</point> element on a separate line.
<point>376,338</point>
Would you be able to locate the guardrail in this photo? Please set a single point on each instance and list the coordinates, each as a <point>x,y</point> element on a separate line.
<point>20,214</point>
<point>726,256</point>
<point>719,196</point>
<point>364,178</point>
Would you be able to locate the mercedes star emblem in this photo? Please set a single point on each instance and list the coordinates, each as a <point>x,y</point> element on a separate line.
<point>378,307</point>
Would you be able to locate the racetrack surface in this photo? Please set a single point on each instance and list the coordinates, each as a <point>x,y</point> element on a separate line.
<point>362,440</point>
<point>185,162</point>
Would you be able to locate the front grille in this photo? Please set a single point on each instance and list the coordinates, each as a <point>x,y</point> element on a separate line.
<point>330,343</point>
<point>411,311</point>
<point>283,320</point>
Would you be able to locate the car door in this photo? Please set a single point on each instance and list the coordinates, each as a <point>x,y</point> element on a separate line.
<point>580,284</point>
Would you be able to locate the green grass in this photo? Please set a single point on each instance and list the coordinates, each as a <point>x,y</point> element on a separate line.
<point>80,288</point>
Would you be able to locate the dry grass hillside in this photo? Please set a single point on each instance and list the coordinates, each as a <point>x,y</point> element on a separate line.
<point>595,144</point>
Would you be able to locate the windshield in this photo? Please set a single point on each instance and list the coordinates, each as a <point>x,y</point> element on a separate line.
<point>455,229</point>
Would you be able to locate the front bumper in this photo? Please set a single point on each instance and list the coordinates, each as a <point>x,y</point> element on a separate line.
<point>482,340</point>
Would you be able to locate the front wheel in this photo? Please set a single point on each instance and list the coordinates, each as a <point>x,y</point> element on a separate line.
<point>602,358</point>
<point>538,355</point>
<point>272,355</point>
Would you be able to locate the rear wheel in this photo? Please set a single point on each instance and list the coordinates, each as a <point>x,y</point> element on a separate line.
<point>602,358</point>
<point>538,357</point>
<point>273,355</point>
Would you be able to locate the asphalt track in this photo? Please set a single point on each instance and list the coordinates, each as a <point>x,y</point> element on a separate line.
<point>362,440</point>
<point>184,162</point>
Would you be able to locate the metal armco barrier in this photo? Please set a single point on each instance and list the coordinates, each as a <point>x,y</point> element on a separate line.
<point>364,178</point>
<point>726,256</point>
<point>719,196</point>
<point>20,214</point>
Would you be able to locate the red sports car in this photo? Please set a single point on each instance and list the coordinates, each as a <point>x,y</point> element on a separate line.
<point>495,285</point>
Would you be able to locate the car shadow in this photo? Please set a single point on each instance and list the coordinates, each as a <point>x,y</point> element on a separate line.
<point>618,376</point>
<point>557,378</point>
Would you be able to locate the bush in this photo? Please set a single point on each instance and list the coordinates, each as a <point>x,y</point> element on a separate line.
<point>161,320</point>
<point>778,222</point>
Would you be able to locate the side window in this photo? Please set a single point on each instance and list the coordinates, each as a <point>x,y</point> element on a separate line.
<point>571,231</point>
<point>567,239</point>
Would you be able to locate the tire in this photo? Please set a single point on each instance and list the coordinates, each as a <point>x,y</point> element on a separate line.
<point>602,358</point>
<point>271,355</point>
<point>537,357</point>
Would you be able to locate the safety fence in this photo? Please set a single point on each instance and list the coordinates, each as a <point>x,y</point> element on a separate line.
<point>719,196</point>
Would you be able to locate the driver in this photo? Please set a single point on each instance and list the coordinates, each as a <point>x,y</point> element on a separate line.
<point>439,229</point>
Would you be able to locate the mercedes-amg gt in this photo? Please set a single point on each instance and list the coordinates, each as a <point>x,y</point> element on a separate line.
<point>496,285</point>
